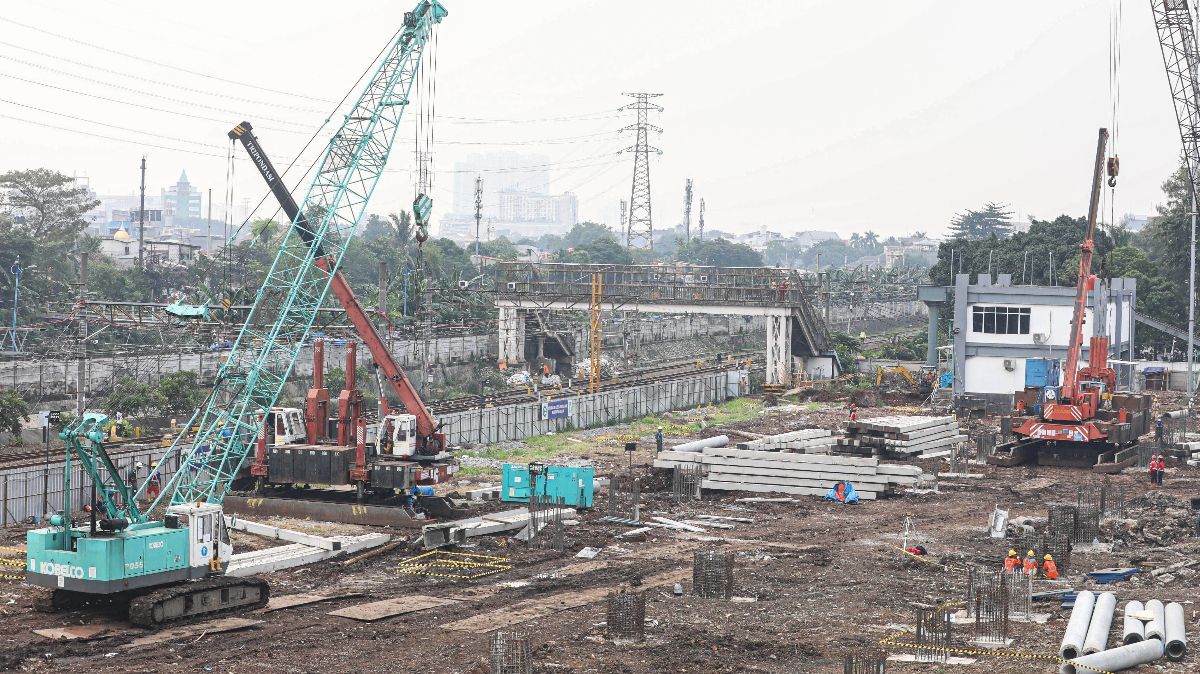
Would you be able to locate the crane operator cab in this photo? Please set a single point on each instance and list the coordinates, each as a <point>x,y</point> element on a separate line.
<point>398,436</point>
<point>208,536</point>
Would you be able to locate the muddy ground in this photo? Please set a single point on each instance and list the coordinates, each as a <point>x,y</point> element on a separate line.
<point>813,581</point>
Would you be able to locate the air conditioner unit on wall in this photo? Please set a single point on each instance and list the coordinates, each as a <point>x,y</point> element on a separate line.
<point>1009,365</point>
<point>512,285</point>
<point>1040,338</point>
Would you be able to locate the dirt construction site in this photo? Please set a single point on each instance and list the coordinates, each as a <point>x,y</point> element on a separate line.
<point>800,583</point>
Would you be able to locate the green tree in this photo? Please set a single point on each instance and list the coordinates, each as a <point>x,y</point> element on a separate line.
<point>719,253</point>
<point>264,230</point>
<point>586,232</point>
<point>133,399</point>
<point>181,392</point>
<point>48,205</point>
<point>14,411</point>
<point>600,251</point>
<point>991,220</point>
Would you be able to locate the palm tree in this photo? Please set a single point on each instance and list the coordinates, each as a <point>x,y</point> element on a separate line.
<point>402,224</point>
<point>870,239</point>
<point>856,240</point>
<point>918,235</point>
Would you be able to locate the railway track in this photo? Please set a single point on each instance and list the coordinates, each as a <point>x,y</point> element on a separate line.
<point>24,458</point>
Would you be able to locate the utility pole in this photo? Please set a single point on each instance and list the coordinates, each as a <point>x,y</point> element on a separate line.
<point>687,211</point>
<point>701,223</point>
<point>641,226</point>
<point>478,212</point>
<point>208,237</point>
<point>16,272</point>
<point>81,364</point>
<point>624,208</point>
<point>142,221</point>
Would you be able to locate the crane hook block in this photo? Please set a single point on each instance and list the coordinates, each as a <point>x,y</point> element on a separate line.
<point>1114,167</point>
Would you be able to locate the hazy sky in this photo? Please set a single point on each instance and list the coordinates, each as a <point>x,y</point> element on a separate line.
<point>795,114</point>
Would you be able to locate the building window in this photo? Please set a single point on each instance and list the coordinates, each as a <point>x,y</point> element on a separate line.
<point>1000,320</point>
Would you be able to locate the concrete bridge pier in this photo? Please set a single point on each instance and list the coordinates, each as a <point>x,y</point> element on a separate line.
<point>512,336</point>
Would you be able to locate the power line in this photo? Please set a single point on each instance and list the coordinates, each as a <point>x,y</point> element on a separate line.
<point>142,92</point>
<point>140,132</point>
<point>150,80</point>
<point>159,63</point>
<point>97,135</point>
<point>140,106</point>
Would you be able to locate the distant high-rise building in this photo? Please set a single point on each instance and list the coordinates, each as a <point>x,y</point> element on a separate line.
<point>181,201</point>
<point>516,197</point>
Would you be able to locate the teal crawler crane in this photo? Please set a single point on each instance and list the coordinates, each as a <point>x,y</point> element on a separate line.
<point>175,567</point>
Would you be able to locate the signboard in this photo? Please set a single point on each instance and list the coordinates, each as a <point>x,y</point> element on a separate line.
<point>151,215</point>
<point>556,409</point>
<point>49,417</point>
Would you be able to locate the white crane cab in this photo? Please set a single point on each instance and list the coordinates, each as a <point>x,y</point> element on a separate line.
<point>208,537</point>
<point>287,426</point>
<point>398,436</point>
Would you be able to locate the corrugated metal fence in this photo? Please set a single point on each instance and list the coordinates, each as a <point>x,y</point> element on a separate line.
<point>515,422</point>
<point>24,491</point>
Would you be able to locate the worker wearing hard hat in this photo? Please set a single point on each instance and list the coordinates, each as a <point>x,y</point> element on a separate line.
<point>1031,563</point>
<point>1012,562</point>
<point>658,440</point>
<point>155,482</point>
<point>1049,568</point>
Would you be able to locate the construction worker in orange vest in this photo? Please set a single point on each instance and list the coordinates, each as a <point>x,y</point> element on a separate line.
<point>1049,568</point>
<point>1012,563</point>
<point>1031,563</point>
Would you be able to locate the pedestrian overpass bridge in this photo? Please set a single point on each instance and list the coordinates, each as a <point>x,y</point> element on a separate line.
<point>796,336</point>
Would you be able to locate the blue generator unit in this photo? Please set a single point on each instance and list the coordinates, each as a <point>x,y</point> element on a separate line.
<point>572,484</point>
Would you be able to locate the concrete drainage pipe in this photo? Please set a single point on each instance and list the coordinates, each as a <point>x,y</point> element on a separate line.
<point>1077,626</point>
<point>1115,659</point>
<point>1176,632</point>
<point>1096,639</point>
<point>1134,629</point>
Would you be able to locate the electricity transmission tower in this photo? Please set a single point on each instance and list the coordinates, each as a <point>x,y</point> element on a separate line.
<point>640,233</point>
<point>478,209</point>
<point>701,218</point>
<point>687,211</point>
<point>624,207</point>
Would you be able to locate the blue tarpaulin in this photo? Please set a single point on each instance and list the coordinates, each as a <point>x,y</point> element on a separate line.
<point>851,495</point>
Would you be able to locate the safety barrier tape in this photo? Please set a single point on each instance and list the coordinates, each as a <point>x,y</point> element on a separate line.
<point>6,576</point>
<point>892,641</point>
<point>5,547</point>
<point>423,564</point>
<point>8,561</point>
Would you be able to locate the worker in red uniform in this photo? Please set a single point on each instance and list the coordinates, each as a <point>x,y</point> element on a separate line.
<point>1031,564</point>
<point>783,288</point>
<point>1162,469</point>
<point>1012,563</point>
<point>1154,472</point>
<point>853,412</point>
<point>1049,568</point>
<point>155,483</point>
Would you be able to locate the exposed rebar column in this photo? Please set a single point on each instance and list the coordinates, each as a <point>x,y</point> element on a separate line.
<point>712,574</point>
<point>511,653</point>
<point>685,483</point>
<point>1157,627</point>
<point>1059,547</point>
<point>1133,630</point>
<point>1019,588</point>
<point>1096,639</point>
<point>933,635</point>
<point>1115,659</point>
<point>991,608</point>
<point>866,662</point>
<point>1077,626</point>
<point>624,499</point>
<point>1176,632</point>
<point>1090,504</point>
<point>626,617</point>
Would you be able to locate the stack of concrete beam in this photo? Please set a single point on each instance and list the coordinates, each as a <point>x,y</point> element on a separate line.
<point>807,441</point>
<point>899,437</point>
<point>803,474</point>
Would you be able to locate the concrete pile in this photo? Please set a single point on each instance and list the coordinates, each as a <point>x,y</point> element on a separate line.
<point>1148,632</point>
<point>807,441</point>
<point>802,474</point>
<point>900,437</point>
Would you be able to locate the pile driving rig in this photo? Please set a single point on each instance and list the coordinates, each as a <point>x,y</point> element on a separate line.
<point>1083,421</point>
<point>175,567</point>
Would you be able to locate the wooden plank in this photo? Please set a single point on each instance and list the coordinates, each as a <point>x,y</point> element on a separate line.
<point>799,458</point>
<point>302,599</point>
<point>77,632</point>
<point>774,488</point>
<point>771,480</point>
<point>194,631</point>
<point>387,608</point>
